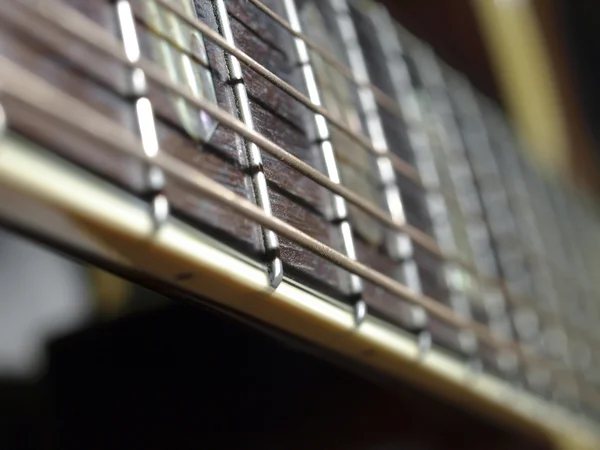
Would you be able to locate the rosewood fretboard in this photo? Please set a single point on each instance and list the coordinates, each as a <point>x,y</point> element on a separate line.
<point>435,201</point>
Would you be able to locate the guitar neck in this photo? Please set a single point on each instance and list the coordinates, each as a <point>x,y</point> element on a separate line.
<point>316,168</point>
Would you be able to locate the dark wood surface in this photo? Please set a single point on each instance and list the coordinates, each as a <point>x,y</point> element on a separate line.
<point>280,118</point>
<point>294,198</point>
<point>223,157</point>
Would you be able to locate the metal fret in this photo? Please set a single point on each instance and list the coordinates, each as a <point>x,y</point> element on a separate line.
<point>72,114</point>
<point>393,350</point>
<point>573,254</point>
<point>259,181</point>
<point>399,245</point>
<point>418,236</point>
<point>120,140</point>
<point>585,229</point>
<point>556,342</point>
<point>454,168</point>
<point>114,138</point>
<point>579,353</point>
<point>421,146</point>
<point>495,201</point>
<point>553,336</point>
<point>576,308</point>
<point>533,232</point>
<point>531,228</point>
<point>155,179</point>
<point>339,207</point>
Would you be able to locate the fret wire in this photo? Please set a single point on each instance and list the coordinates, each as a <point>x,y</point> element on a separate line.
<point>419,237</point>
<point>469,217</point>
<point>587,213</point>
<point>531,253</point>
<point>568,239</point>
<point>120,138</point>
<point>74,23</point>
<point>418,139</point>
<point>553,317</point>
<point>0,69</point>
<point>116,54</point>
<point>382,98</point>
<point>584,225</point>
<point>97,38</point>
<point>143,111</point>
<point>564,322</point>
<point>565,238</point>
<point>522,196</point>
<point>564,273</point>
<point>477,143</point>
<point>515,176</point>
<point>71,113</point>
<point>471,152</point>
<point>549,226</point>
<point>582,283</point>
<point>400,165</point>
<point>557,269</point>
<point>339,207</point>
<point>522,199</point>
<point>23,87</point>
<point>520,300</point>
<point>259,181</point>
<point>400,245</point>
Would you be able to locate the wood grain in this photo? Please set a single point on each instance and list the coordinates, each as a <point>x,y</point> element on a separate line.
<point>430,268</point>
<point>83,74</point>
<point>222,157</point>
<point>294,198</point>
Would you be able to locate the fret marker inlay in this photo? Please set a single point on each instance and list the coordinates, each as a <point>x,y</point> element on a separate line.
<point>184,70</point>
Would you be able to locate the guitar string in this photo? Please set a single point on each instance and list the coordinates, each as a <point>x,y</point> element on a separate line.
<point>546,314</point>
<point>400,165</point>
<point>220,193</point>
<point>420,237</point>
<point>94,35</point>
<point>382,98</point>
<point>22,88</point>
<point>386,101</point>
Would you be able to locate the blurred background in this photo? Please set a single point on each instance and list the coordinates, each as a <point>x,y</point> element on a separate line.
<point>537,57</point>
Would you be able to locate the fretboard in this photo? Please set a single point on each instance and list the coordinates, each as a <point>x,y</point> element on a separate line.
<point>328,149</point>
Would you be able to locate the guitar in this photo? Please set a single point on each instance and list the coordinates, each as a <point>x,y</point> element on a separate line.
<point>314,167</point>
